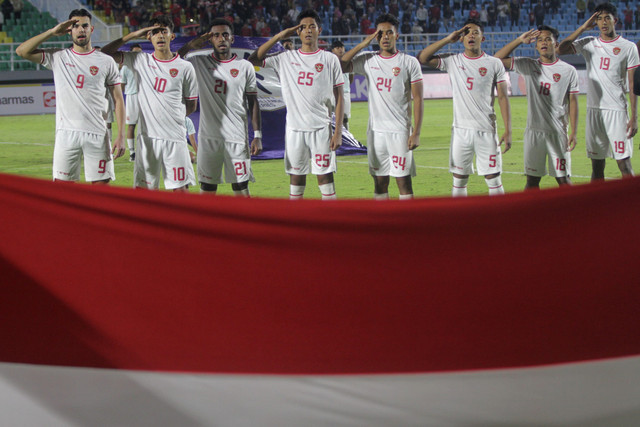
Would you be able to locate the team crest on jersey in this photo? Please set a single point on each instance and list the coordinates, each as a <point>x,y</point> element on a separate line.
<point>93,70</point>
<point>319,67</point>
<point>616,50</point>
<point>173,72</point>
<point>234,72</point>
<point>556,77</point>
<point>482,71</point>
<point>396,71</point>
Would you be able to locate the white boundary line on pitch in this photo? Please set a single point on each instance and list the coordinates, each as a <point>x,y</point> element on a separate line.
<point>26,143</point>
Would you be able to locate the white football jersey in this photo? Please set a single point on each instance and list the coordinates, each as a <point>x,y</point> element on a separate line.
<point>163,87</point>
<point>308,80</point>
<point>80,80</point>
<point>347,83</point>
<point>389,80</point>
<point>130,80</point>
<point>548,89</point>
<point>607,66</point>
<point>223,106</point>
<point>473,81</point>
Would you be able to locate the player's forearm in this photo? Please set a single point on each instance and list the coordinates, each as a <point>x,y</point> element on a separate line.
<point>256,116</point>
<point>566,46</point>
<point>633,98</point>
<point>258,55</point>
<point>338,94</point>
<point>112,48</point>
<point>573,113</point>
<point>505,110</point>
<point>346,59</point>
<point>428,52</point>
<point>507,49</point>
<point>28,47</point>
<point>418,107</point>
<point>184,50</point>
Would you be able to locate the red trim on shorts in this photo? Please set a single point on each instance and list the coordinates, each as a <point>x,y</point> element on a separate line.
<point>165,60</point>
<point>78,53</point>
<point>477,57</point>
<point>388,57</point>
<point>224,62</point>
<point>552,63</point>
<point>307,53</point>
<point>610,41</point>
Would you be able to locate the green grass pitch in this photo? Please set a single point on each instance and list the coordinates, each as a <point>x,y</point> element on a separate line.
<point>26,148</point>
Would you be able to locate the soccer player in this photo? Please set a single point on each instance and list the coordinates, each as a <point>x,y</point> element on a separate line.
<point>130,83</point>
<point>474,76</point>
<point>232,93</point>
<point>337,47</point>
<point>167,93</point>
<point>552,95</point>
<point>287,44</point>
<point>80,74</point>
<point>611,60</point>
<point>311,84</point>
<point>393,78</point>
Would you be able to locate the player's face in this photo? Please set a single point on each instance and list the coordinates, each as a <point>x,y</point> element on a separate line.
<point>338,51</point>
<point>288,45</point>
<point>136,49</point>
<point>308,31</point>
<point>161,38</point>
<point>81,31</point>
<point>221,39</point>
<point>546,44</point>
<point>387,36</point>
<point>606,23</point>
<point>473,39</point>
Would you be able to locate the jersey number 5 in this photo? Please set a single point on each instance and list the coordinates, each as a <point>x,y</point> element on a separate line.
<point>305,79</point>
<point>470,83</point>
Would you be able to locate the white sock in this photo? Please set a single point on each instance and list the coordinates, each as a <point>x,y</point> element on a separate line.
<point>405,196</point>
<point>296,192</point>
<point>328,191</point>
<point>242,193</point>
<point>380,196</point>
<point>495,186</point>
<point>459,187</point>
<point>131,145</point>
<point>109,133</point>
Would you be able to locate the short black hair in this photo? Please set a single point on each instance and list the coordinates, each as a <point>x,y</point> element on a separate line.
<point>79,12</point>
<point>163,21</point>
<point>552,30</point>
<point>335,44</point>
<point>474,22</point>
<point>135,45</point>
<point>607,8</point>
<point>309,13</point>
<point>221,21</point>
<point>387,18</point>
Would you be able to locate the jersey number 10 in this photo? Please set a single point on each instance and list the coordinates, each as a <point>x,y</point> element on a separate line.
<point>160,85</point>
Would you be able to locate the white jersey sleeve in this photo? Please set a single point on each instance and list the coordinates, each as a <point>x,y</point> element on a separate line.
<point>389,80</point>
<point>549,87</point>
<point>223,105</point>
<point>130,80</point>
<point>163,88</point>
<point>308,80</point>
<point>191,129</point>
<point>473,81</point>
<point>607,65</point>
<point>80,80</point>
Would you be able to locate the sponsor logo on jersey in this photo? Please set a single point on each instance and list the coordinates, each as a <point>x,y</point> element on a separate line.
<point>482,71</point>
<point>93,70</point>
<point>396,71</point>
<point>556,77</point>
<point>616,50</point>
<point>173,72</point>
<point>319,67</point>
<point>234,72</point>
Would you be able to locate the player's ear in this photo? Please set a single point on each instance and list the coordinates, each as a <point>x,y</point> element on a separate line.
<point>92,28</point>
<point>483,38</point>
<point>173,35</point>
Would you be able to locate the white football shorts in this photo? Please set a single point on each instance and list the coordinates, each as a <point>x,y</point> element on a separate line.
<point>132,109</point>
<point>467,142</point>
<point>389,154</point>
<point>71,146</point>
<point>158,156</point>
<point>606,134</point>
<point>304,147</point>
<point>542,149</point>
<point>213,154</point>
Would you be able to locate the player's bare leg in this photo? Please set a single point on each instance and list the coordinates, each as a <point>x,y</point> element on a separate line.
<point>206,188</point>
<point>494,182</point>
<point>597,169</point>
<point>625,167</point>
<point>327,186</point>
<point>131,137</point>
<point>533,182</point>
<point>380,187</point>
<point>102,181</point>
<point>297,185</point>
<point>563,180</point>
<point>241,189</point>
<point>459,185</point>
<point>183,189</point>
<point>405,187</point>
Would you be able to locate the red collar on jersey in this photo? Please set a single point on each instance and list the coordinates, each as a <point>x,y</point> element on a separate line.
<point>309,53</point>
<point>477,57</point>
<point>233,57</point>
<point>549,63</point>
<point>175,56</point>
<point>609,41</point>
<point>87,53</point>
<point>388,57</point>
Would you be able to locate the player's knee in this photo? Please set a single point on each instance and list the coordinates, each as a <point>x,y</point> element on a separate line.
<point>208,187</point>
<point>240,186</point>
